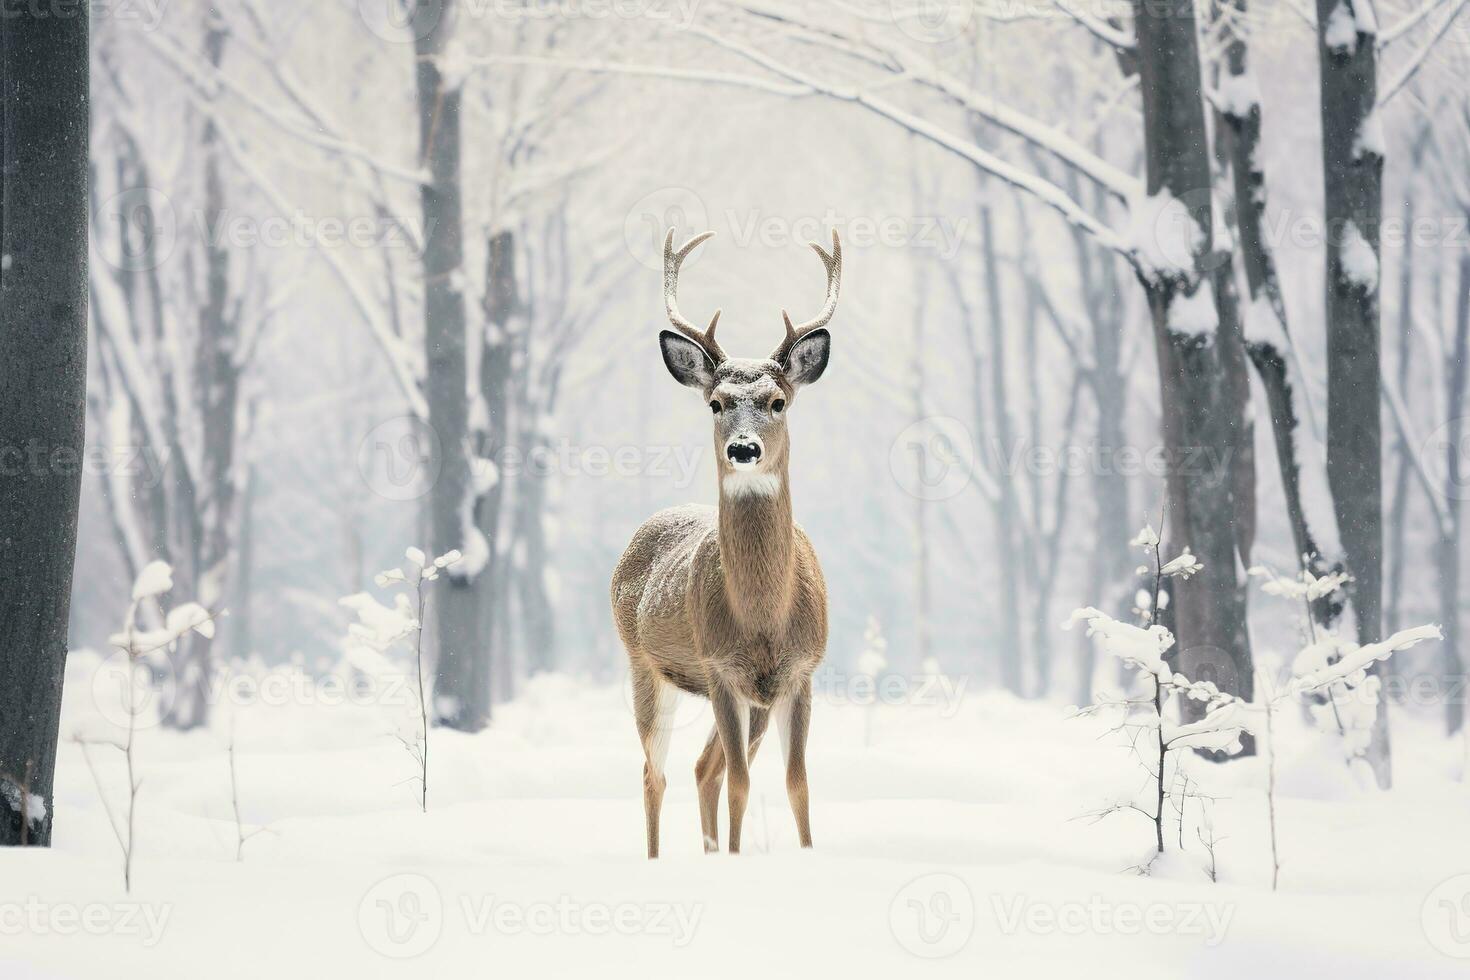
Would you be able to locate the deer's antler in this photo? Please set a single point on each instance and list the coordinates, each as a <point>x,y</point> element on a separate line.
<point>672,261</point>
<point>833,262</point>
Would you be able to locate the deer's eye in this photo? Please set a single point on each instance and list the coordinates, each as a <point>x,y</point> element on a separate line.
<point>778,406</point>
<point>714,406</point>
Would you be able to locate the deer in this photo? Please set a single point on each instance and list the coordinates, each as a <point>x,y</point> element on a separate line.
<point>728,603</point>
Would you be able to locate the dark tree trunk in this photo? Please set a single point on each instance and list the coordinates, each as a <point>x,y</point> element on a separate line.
<point>43,369</point>
<point>1200,378</point>
<point>1238,134</point>
<point>1353,188</point>
<point>462,672</point>
<point>209,531</point>
<point>242,639</point>
<point>1007,553</point>
<point>1111,566</point>
<point>502,309</point>
<point>1449,546</point>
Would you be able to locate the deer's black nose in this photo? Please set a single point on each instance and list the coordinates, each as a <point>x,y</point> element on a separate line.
<point>743,453</point>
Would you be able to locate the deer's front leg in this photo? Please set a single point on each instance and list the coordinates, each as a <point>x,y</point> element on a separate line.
<point>731,719</point>
<point>793,718</point>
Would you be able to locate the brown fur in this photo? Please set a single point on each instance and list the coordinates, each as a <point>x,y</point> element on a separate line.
<point>729,603</point>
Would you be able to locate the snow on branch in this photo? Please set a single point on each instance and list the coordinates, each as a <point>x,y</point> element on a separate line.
<point>1098,28</point>
<point>206,78</point>
<point>1045,191</point>
<point>1134,645</point>
<point>1412,20</point>
<point>1416,61</point>
<point>924,71</point>
<point>1305,586</point>
<point>400,361</point>
<point>1352,661</point>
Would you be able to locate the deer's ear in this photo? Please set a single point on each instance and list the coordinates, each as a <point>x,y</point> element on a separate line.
<point>687,361</point>
<point>808,358</point>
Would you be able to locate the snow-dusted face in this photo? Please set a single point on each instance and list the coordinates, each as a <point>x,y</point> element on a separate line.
<point>749,401</point>
<point>748,398</point>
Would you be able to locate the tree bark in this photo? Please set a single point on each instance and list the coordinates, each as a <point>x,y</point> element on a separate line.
<point>462,673</point>
<point>43,368</point>
<point>502,309</point>
<point>208,530</point>
<point>1200,381</point>
<point>1352,168</point>
<point>1449,545</point>
<point>1007,553</point>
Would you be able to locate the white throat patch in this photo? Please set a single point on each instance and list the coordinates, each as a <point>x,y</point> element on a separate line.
<point>743,484</point>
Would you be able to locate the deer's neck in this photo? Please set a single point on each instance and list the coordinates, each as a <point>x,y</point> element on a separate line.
<point>757,547</point>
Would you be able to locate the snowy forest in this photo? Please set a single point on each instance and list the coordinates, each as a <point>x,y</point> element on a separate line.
<point>376,597</point>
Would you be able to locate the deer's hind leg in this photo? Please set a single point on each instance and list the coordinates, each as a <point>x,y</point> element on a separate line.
<point>709,776</point>
<point>654,700</point>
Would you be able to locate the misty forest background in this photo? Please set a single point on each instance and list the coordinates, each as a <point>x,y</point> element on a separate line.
<point>309,220</point>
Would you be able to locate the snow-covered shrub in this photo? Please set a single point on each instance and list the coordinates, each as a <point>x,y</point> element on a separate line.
<point>380,629</point>
<point>1330,672</point>
<point>1159,741</point>
<point>144,646</point>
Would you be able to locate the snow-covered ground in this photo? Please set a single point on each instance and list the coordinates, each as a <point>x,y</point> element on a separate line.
<point>951,842</point>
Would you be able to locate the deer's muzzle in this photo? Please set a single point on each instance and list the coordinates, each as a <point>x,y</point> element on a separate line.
<point>743,451</point>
